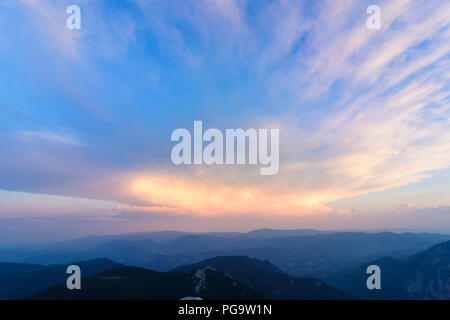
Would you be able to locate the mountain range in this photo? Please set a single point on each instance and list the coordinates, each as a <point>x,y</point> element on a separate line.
<point>141,284</point>
<point>217,278</point>
<point>311,266</point>
<point>313,254</point>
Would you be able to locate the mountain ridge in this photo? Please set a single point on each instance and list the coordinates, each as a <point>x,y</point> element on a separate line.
<point>269,279</point>
<point>137,284</point>
<point>425,275</point>
<point>19,285</point>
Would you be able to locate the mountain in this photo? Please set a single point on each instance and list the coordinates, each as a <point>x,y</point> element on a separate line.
<point>91,242</point>
<point>274,233</point>
<point>425,275</point>
<point>316,255</point>
<point>268,279</point>
<point>137,284</point>
<point>237,266</point>
<point>7,268</point>
<point>19,285</point>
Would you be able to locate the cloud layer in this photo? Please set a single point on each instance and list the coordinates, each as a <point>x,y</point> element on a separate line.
<point>358,110</point>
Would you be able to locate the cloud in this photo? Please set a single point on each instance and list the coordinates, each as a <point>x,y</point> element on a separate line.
<point>51,228</point>
<point>104,30</point>
<point>400,41</point>
<point>191,196</point>
<point>49,136</point>
<point>405,206</point>
<point>49,19</point>
<point>358,110</point>
<point>378,136</point>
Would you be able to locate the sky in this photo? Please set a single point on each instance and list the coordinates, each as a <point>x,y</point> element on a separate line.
<point>87,115</point>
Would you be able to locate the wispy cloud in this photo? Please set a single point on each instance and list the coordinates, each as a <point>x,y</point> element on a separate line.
<point>49,136</point>
<point>48,19</point>
<point>390,135</point>
<point>359,110</point>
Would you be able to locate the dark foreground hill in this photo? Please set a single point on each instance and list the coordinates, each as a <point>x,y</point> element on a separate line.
<point>425,275</point>
<point>268,279</point>
<point>7,268</point>
<point>137,284</point>
<point>19,285</point>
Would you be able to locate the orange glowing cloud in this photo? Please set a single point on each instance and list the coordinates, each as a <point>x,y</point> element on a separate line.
<point>169,193</point>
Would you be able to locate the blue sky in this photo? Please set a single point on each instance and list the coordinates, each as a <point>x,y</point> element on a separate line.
<point>87,114</point>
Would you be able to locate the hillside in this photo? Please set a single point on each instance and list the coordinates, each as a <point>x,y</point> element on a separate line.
<point>268,279</point>
<point>137,284</point>
<point>19,285</point>
<point>7,268</point>
<point>425,275</point>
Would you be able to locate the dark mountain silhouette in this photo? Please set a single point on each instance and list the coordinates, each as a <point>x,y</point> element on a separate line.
<point>268,279</point>
<point>138,283</point>
<point>19,285</point>
<point>425,275</point>
<point>7,268</point>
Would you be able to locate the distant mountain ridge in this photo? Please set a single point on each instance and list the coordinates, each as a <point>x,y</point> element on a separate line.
<point>316,255</point>
<point>89,242</point>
